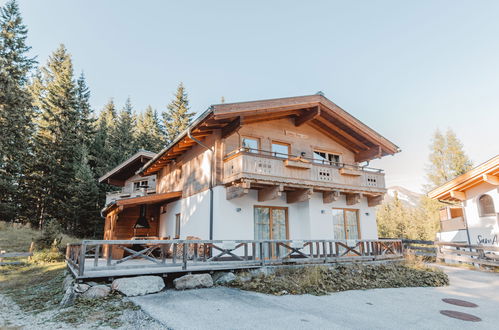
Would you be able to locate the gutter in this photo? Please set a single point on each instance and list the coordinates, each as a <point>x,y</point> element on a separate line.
<point>211,177</point>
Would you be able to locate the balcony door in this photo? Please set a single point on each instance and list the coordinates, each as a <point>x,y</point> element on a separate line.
<point>271,223</point>
<point>346,224</point>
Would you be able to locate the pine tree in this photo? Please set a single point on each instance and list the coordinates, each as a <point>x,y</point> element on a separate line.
<point>102,154</point>
<point>122,139</point>
<point>177,117</point>
<point>86,199</point>
<point>86,120</point>
<point>447,159</point>
<point>148,131</point>
<point>16,111</point>
<point>394,219</point>
<point>57,147</point>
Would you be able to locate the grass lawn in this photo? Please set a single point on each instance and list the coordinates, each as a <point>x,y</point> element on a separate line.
<point>36,287</point>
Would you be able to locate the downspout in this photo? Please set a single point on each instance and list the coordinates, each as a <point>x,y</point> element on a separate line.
<point>466,223</point>
<point>211,177</point>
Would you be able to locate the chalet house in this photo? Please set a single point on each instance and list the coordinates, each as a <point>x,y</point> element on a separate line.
<point>289,168</point>
<point>473,217</point>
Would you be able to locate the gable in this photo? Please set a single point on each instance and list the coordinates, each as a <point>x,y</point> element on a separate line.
<point>315,111</point>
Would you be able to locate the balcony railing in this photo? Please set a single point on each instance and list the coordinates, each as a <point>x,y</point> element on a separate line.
<point>127,192</point>
<point>453,224</point>
<point>264,165</point>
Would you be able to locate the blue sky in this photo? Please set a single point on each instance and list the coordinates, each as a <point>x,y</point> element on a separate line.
<point>405,68</point>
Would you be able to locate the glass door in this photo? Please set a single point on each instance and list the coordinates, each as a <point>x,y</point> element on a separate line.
<point>271,223</point>
<point>346,225</point>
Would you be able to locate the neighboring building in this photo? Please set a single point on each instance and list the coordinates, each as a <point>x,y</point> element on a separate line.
<point>289,168</point>
<point>474,220</point>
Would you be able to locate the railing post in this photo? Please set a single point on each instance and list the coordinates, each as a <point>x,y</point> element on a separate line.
<point>68,251</point>
<point>109,254</point>
<point>184,256</point>
<point>96,256</point>
<point>81,263</point>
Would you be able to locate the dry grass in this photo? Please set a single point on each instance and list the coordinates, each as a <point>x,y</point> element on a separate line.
<point>18,238</point>
<point>320,280</point>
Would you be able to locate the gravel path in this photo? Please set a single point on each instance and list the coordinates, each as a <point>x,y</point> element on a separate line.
<point>409,308</point>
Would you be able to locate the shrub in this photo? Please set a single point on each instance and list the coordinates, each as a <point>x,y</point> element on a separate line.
<point>47,256</point>
<point>51,235</point>
<point>320,280</point>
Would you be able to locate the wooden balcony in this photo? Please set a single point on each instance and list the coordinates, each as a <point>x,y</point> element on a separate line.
<point>452,224</point>
<point>273,168</point>
<point>127,192</point>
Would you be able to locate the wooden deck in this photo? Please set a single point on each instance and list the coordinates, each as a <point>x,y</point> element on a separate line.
<point>93,259</point>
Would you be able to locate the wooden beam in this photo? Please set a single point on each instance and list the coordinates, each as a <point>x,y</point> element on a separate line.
<point>460,195</point>
<point>374,200</point>
<point>300,195</point>
<point>270,193</point>
<point>330,196</point>
<point>237,190</point>
<point>333,135</point>
<point>231,128</point>
<point>115,182</point>
<point>353,199</point>
<point>492,179</point>
<point>344,134</point>
<point>375,152</point>
<point>307,116</point>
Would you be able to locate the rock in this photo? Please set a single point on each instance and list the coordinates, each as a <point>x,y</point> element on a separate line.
<point>92,283</point>
<point>193,281</point>
<point>262,271</point>
<point>138,286</point>
<point>223,278</point>
<point>67,283</point>
<point>81,288</point>
<point>69,297</point>
<point>98,291</point>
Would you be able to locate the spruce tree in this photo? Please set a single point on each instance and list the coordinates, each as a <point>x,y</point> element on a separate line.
<point>16,111</point>
<point>102,154</point>
<point>122,136</point>
<point>177,117</point>
<point>447,159</point>
<point>86,120</point>
<point>148,131</point>
<point>57,147</point>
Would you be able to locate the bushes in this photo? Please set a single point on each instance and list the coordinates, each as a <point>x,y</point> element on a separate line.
<point>47,256</point>
<point>320,280</point>
<point>51,236</point>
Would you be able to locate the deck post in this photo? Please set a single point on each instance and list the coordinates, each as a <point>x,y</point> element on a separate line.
<point>96,257</point>
<point>81,263</point>
<point>109,254</point>
<point>184,256</point>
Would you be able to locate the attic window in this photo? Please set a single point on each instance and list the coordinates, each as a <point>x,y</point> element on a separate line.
<point>486,206</point>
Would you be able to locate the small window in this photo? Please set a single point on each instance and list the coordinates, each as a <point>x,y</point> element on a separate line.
<point>486,206</point>
<point>140,184</point>
<point>250,144</point>
<point>177,225</point>
<point>327,158</point>
<point>281,150</point>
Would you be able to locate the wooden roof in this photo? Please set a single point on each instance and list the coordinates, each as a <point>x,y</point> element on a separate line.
<point>455,190</point>
<point>118,175</point>
<point>314,110</point>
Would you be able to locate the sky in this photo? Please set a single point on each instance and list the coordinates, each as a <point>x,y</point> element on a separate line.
<point>405,68</point>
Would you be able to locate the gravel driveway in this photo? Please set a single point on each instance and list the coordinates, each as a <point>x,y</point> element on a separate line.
<point>409,308</point>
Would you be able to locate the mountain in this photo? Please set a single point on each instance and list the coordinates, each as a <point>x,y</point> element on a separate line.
<point>408,198</point>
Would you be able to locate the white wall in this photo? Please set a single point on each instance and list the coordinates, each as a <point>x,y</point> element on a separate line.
<point>482,229</point>
<point>307,220</point>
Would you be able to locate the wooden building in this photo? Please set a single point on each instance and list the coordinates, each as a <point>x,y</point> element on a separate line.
<point>288,168</point>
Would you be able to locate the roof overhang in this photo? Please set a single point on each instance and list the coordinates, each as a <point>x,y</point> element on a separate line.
<point>118,175</point>
<point>144,200</point>
<point>314,110</point>
<point>455,190</point>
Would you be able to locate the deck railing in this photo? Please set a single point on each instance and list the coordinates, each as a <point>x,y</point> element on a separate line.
<point>264,165</point>
<point>197,255</point>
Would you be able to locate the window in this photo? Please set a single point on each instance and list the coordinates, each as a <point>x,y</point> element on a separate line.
<point>346,224</point>
<point>140,184</point>
<point>486,206</point>
<point>281,150</point>
<point>327,158</point>
<point>251,144</point>
<point>177,225</point>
